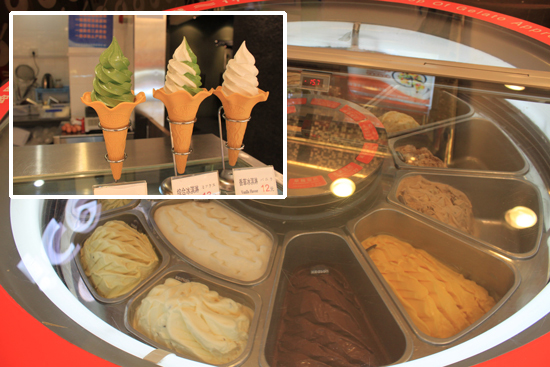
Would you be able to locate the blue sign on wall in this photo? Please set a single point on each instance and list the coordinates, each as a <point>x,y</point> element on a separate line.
<point>90,30</point>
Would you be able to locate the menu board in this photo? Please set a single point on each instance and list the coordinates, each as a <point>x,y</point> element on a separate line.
<point>90,30</point>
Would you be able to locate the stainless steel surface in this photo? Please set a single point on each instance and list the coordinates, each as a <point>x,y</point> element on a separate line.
<point>150,63</point>
<point>472,146</point>
<point>331,248</point>
<point>494,273</point>
<point>491,197</point>
<point>183,273</point>
<point>49,161</point>
<point>136,220</point>
<point>493,74</point>
<point>261,227</point>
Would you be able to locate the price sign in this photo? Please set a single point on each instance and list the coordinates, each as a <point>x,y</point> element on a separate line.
<point>255,181</point>
<point>196,184</point>
<point>125,188</point>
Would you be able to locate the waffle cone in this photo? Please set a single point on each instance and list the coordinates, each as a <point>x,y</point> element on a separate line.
<point>237,107</point>
<point>181,106</point>
<point>114,118</point>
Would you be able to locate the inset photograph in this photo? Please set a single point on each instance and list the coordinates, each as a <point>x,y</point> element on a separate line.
<point>156,104</point>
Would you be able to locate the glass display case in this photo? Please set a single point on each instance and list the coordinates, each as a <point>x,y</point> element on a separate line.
<point>443,146</point>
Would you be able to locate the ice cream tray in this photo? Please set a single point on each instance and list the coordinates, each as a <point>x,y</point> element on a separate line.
<point>511,264</point>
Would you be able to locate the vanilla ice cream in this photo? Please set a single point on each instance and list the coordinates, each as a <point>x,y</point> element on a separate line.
<point>240,74</point>
<point>191,319</point>
<point>216,238</point>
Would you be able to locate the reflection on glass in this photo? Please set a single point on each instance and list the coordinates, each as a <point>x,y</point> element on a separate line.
<point>38,183</point>
<point>342,187</point>
<point>521,217</point>
<point>514,87</point>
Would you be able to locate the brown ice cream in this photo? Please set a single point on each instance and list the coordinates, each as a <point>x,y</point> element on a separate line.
<point>440,301</point>
<point>323,323</point>
<point>439,201</point>
<point>420,157</point>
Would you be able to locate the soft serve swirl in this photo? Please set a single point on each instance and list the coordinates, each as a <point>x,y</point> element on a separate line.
<point>240,74</point>
<point>183,71</point>
<point>112,82</point>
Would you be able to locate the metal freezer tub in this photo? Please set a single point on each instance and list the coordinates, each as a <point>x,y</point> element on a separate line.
<point>472,146</point>
<point>491,198</point>
<point>332,248</point>
<point>180,272</point>
<point>136,220</point>
<point>213,272</point>
<point>494,273</point>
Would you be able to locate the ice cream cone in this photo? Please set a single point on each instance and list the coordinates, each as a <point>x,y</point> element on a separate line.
<point>237,107</point>
<point>114,118</point>
<point>181,106</point>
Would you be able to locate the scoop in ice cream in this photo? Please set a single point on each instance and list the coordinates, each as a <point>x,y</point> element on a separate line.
<point>323,323</point>
<point>420,157</point>
<point>216,238</point>
<point>189,318</point>
<point>116,258</point>
<point>183,71</point>
<point>394,121</point>
<point>112,82</point>
<point>439,201</point>
<point>109,204</point>
<point>440,301</point>
<point>240,74</point>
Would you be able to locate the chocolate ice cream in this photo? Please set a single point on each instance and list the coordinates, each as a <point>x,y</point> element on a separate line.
<point>437,200</point>
<point>323,323</point>
<point>420,157</point>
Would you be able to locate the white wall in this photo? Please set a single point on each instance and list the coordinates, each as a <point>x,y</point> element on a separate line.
<point>48,35</point>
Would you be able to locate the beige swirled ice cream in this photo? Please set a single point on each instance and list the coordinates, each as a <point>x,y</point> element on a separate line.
<point>240,74</point>
<point>183,71</point>
<point>116,258</point>
<point>189,318</point>
<point>216,238</point>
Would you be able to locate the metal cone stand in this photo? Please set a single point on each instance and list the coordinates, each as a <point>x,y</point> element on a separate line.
<point>227,181</point>
<point>166,185</point>
<point>114,131</point>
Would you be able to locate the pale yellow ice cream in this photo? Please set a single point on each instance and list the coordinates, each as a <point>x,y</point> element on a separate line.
<point>108,204</point>
<point>440,301</point>
<point>216,238</point>
<point>116,258</point>
<point>191,319</point>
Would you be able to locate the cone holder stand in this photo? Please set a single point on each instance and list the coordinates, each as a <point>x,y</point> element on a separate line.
<point>166,185</point>
<point>114,131</point>
<point>227,181</point>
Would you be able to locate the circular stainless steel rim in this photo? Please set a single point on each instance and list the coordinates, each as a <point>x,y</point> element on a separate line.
<point>184,153</point>
<point>182,122</point>
<point>228,147</point>
<point>119,161</point>
<point>233,120</point>
<point>114,130</point>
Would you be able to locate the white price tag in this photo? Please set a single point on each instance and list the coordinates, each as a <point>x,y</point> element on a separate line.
<point>196,184</point>
<point>255,181</point>
<point>125,188</point>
